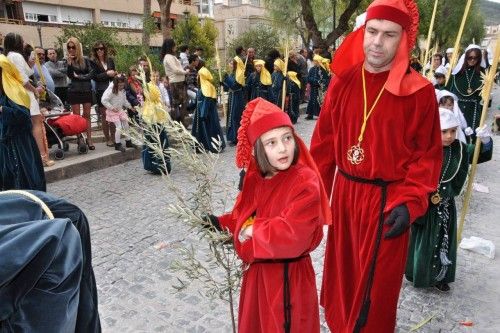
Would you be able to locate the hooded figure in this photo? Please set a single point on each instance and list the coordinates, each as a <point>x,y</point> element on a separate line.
<point>286,209</point>
<point>466,84</point>
<point>377,147</point>
<point>206,124</point>
<point>47,282</point>
<point>260,81</point>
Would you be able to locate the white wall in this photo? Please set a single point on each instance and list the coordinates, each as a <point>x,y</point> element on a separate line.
<point>121,20</point>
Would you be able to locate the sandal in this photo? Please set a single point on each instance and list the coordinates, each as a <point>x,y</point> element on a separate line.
<point>110,143</point>
<point>91,147</point>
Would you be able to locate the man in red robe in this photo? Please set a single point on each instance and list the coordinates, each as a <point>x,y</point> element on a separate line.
<point>377,147</point>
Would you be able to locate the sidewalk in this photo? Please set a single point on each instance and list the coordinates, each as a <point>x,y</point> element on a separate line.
<point>75,164</point>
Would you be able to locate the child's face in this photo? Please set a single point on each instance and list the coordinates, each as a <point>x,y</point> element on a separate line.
<point>258,68</point>
<point>121,85</point>
<point>447,105</point>
<point>440,80</point>
<point>279,145</point>
<point>155,77</point>
<point>448,136</point>
<point>277,69</point>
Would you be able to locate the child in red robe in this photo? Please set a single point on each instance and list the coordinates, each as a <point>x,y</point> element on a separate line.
<point>277,221</point>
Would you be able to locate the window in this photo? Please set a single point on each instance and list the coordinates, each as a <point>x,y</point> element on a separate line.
<point>30,17</point>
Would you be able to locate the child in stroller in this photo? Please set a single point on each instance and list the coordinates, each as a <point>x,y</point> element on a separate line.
<point>60,124</point>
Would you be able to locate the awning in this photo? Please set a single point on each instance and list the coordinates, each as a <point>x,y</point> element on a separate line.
<point>158,15</point>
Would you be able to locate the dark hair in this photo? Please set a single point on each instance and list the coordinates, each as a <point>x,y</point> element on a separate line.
<point>94,52</point>
<point>199,48</point>
<point>1,85</point>
<point>118,79</point>
<point>183,48</point>
<point>445,99</point>
<point>167,48</point>
<point>485,57</point>
<point>13,42</point>
<point>238,50</point>
<point>27,52</point>
<point>265,167</point>
<point>435,55</point>
<point>477,67</point>
<point>192,58</point>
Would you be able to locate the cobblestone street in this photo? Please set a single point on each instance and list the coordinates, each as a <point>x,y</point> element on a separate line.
<point>127,210</point>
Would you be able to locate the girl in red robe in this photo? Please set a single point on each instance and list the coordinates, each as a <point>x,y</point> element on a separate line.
<point>277,221</point>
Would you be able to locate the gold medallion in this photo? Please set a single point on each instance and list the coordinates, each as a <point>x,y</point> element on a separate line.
<point>469,90</point>
<point>436,198</point>
<point>356,154</point>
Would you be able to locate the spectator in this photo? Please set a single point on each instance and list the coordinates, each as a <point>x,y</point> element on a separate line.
<point>46,78</point>
<point>13,49</point>
<point>184,56</point>
<point>143,63</point>
<point>57,70</point>
<point>192,78</point>
<point>165,91</point>
<point>177,76</point>
<point>80,72</point>
<point>104,72</point>
<point>303,71</point>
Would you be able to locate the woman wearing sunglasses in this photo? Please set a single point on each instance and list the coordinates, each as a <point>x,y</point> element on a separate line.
<point>466,84</point>
<point>104,72</point>
<point>80,72</point>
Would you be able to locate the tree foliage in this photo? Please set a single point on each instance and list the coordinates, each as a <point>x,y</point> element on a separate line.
<point>262,38</point>
<point>448,18</point>
<point>194,34</point>
<point>313,19</point>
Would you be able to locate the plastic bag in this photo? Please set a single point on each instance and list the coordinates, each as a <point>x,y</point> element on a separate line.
<point>479,245</point>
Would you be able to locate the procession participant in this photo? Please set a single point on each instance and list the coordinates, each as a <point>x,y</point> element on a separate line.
<point>235,84</point>
<point>465,82</point>
<point>318,79</point>
<point>432,254</point>
<point>260,81</point>
<point>276,222</point>
<point>294,96</point>
<point>277,79</point>
<point>378,137</point>
<point>440,78</point>
<point>206,124</point>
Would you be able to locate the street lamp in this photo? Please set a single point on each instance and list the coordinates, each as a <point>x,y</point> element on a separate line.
<point>39,28</point>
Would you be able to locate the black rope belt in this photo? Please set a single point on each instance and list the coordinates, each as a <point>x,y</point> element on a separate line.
<point>365,305</point>
<point>287,305</point>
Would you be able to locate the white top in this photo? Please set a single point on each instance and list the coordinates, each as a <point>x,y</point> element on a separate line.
<point>26,71</point>
<point>184,59</point>
<point>164,95</point>
<point>173,69</point>
<point>115,101</point>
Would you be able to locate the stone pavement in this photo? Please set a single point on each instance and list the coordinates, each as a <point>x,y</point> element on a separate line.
<point>126,208</point>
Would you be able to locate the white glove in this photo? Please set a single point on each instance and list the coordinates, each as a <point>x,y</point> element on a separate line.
<point>484,133</point>
<point>468,131</point>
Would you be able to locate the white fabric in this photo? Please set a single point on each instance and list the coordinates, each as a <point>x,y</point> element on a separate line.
<point>173,69</point>
<point>164,96</point>
<point>119,125</point>
<point>484,133</point>
<point>440,70</point>
<point>456,111</point>
<point>115,101</point>
<point>450,50</point>
<point>26,71</point>
<point>447,119</point>
<point>461,61</point>
<point>360,21</point>
<point>183,57</point>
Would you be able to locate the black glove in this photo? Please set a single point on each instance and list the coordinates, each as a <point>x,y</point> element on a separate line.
<point>212,221</point>
<point>242,179</point>
<point>399,219</point>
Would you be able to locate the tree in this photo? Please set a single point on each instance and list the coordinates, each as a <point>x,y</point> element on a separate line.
<point>193,34</point>
<point>262,38</point>
<point>146,16</point>
<point>165,17</point>
<point>315,19</point>
<point>445,30</point>
<point>88,35</point>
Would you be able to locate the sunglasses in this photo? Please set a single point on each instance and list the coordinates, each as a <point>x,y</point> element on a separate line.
<point>102,48</point>
<point>71,47</point>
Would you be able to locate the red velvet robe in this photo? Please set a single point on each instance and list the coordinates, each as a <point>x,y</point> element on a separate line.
<point>402,143</point>
<point>286,225</point>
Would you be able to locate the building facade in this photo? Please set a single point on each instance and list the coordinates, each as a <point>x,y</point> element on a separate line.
<point>40,21</point>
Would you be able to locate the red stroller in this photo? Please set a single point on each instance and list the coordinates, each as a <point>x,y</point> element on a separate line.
<point>61,124</point>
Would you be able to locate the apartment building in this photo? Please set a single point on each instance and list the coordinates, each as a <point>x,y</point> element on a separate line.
<point>40,21</point>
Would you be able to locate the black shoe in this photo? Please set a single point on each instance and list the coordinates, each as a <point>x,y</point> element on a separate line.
<point>309,117</point>
<point>129,144</point>
<point>442,287</point>
<point>119,147</point>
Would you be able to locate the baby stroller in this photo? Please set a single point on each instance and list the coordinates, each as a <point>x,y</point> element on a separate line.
<point>60,124</point>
